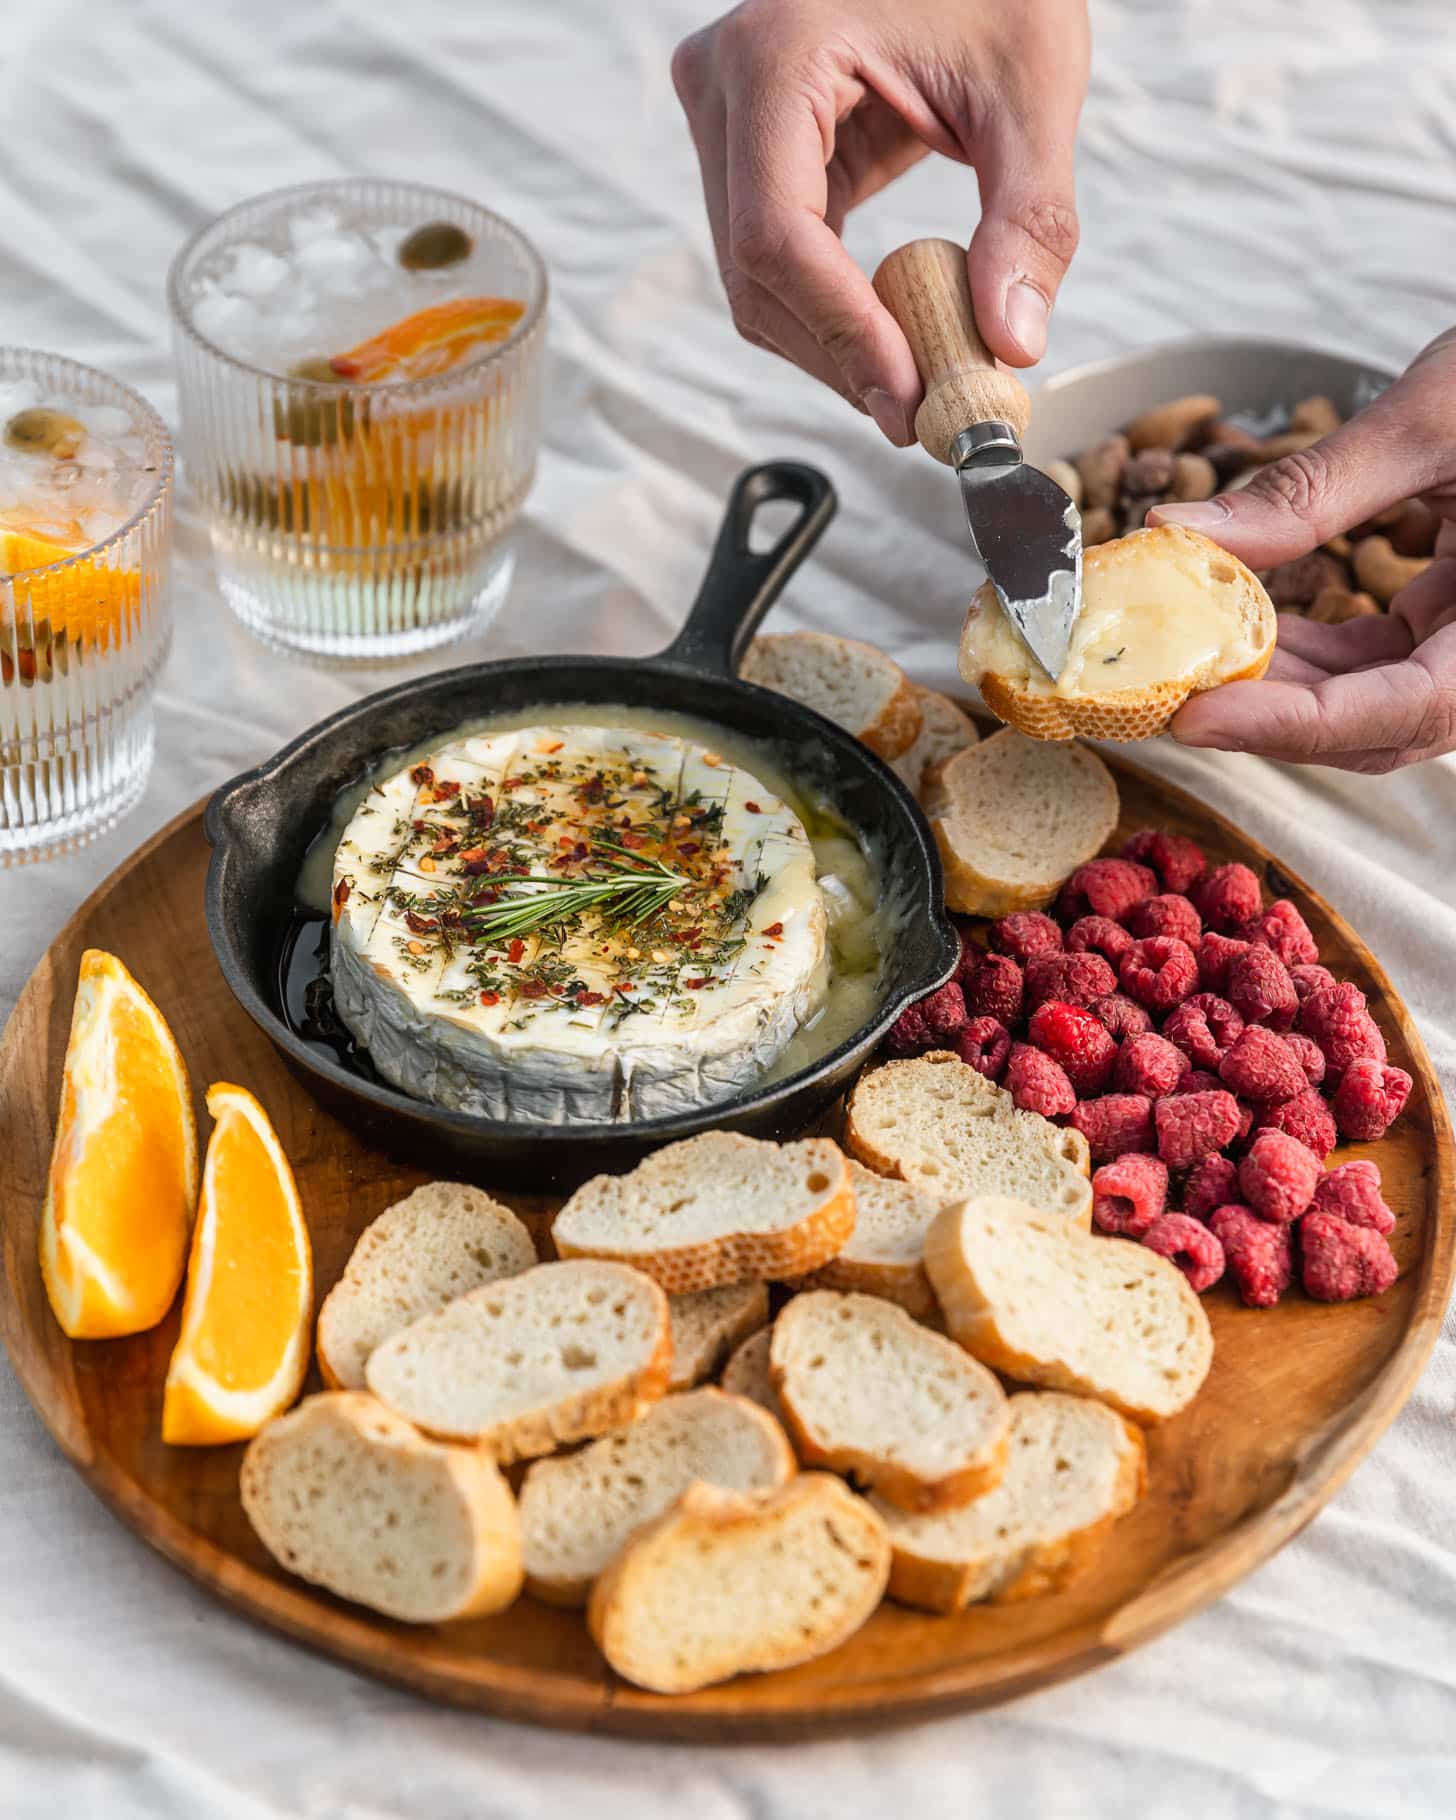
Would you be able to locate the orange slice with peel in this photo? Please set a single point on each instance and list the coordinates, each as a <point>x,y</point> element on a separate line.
<point>87,601</point>
<point>431,341</point>
<point>243,1350</point>
<point>123,1174</point>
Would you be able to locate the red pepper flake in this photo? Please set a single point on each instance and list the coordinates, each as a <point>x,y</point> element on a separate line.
<point>422,925</point>
<point>490,998</point>
<point>444,790</point>
<point>591,998</point>
<point>633,840</point>
<point>482,811</point>
<point>557,989</point>
<point>695,985</point>
<point>341,894</point>
<point>533,989</point>
<point>512,783</point>
<point>580,850</point>
<point>555,746</point>
<point>420,827</point>
<point>774,929</point>
<point>624,986</point>
<point>445,843</point>
<point>534,827</point>
<point>688,848</point>
<point>469,855</point>
<point>422,774</point>
<point>753,809</point>
<point>515,951</point>
<point>565,842</point>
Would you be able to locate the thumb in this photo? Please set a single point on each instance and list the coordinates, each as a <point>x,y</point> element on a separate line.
<point>1023,243</point>
<point>1392,450</point>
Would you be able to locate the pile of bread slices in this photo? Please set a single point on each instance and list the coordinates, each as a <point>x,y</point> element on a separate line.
<point>857,1309</point>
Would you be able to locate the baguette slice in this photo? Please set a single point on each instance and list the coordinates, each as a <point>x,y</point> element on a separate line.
<point>944,731</point>
<point>867,1390</point>
<point>935,1123</point>
<point>1013,816</point>
<point>578,1513</point>
<point>708,1323</point>
<point>440,1242</point>
<point>1165,613</point>
<point>845,681</point>
<point>1073,1468</point>
<point>1036,1298</point>
<point>349,1496</point>
<point>559,1353</point>
<point>716,1209</point>
<point>727,1582</point>
<point>747,1374</point>
<point>885,1254</point>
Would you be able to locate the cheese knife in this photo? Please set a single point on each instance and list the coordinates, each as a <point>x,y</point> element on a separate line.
<point>1025,529</point>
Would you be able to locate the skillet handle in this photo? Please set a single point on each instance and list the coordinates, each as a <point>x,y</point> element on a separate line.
<point>740,586</point>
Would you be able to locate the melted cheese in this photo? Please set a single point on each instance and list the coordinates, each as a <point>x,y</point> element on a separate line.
<point>589,1021</point>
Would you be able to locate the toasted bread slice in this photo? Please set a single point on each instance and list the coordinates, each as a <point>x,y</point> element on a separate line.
<point>1073,1468</point>
<point>1165,613</point>
<point>716,1209</point>
<point>578,1512</point>
<point>440,1242</point>
<point>845,681</point>
<point>1033,1296</point>
<point>345,1494</point>
<point>885,1254</point>
<point>708,1323</point>
<point>1013,816</point>
<point>559,1353</point>
<point>944,731</point>
<point>867,1390</point>
<point>950,1133</point>
<point>728,1582</point>
<point>747,1374</point>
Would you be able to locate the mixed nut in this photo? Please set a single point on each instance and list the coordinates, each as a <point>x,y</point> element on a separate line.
<point>1187,449</point>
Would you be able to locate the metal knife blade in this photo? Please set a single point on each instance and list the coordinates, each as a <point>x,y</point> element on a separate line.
<point>1028,534</point>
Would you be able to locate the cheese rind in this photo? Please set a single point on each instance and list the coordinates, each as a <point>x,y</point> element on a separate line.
<point>587,1022</point>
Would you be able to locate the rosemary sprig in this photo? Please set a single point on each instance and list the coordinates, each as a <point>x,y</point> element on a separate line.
<point>627,895</point>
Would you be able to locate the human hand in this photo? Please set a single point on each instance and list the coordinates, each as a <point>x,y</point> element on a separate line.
<point>1377,692</point>
<point>801,109</point>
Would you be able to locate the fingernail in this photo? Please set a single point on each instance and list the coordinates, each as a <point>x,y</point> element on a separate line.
<point>1197,515</point>
<point>889,414</point>
<point>1026,319</point>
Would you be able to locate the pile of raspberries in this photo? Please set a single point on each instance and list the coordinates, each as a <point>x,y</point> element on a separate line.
<point>1191,1035</point>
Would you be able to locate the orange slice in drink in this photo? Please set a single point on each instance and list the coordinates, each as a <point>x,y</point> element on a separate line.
<point>88,601</point>
<point>243,1350</point>
<point>123,1175</point>
<point>431,341</point>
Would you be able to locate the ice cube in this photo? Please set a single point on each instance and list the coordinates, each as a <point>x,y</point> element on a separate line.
<point>229,321</point>
<point>254,271</point>
<point>313,224</point>
<point>334,261</point>
<point>17,395</point>
<point>105,419</point>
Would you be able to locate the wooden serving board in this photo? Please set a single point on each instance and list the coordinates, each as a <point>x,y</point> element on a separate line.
<point>1298,1394</point>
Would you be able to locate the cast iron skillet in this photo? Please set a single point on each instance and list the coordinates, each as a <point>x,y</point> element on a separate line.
<point>261,824</point>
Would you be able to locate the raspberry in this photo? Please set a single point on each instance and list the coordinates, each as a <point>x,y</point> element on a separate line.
<point>1149,1064</point>
<point>1339,1020</point>
<point>1259,1256</point>
<point>1261,1066</point>
<point>1025,933</point>
<point>971,956</point>
<point>1369,1098</point>
<point>1309,979</point>
<point>1098,935</point>
<point>1176,859</point>
<point>1105,887</point>
<point>1193,1248</point>
<point>1278,1177</point>
<point>1077,1040</point>
<point>1158,972</point>
<point>1204,1027</point>
<point>1120,1015</point>
<point>1116,1124</point>
<point>1037,1083</point>
<point>1070,979</point>
<point>1200,1080</point>
<point>1169,914</point>
<point>1352,1190</point>
<point>1283,929</point>
<point>1311,1056</point>
<point>1340,1262</point>
<point>1212,1183</point>
<point>996,989</point>
<point>1305,1117</point>
<point>1129,1194</point>
<point>1228,896</point>
<point>1194,1125</point>
<point>945,1010</point>
<point>910,1034</point>
<point>1259,987</point>
<point>983,1044</point>
<point>1215,955</point>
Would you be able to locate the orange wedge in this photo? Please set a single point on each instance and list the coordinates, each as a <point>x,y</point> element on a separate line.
<point>87,601</point>
<point>243,1349</point>
<point>123,1175</point>
<point>431,341</point>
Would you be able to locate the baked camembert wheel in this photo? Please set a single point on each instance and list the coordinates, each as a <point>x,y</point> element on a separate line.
<point>575,923</point>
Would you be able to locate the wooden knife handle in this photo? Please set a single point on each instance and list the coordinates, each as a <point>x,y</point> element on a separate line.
<point>925,288</point>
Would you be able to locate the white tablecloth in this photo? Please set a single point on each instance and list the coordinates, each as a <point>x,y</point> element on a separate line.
<point>1245,168</point>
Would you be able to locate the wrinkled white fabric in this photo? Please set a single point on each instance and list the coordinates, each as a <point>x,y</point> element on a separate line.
<point>1287,170</point>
